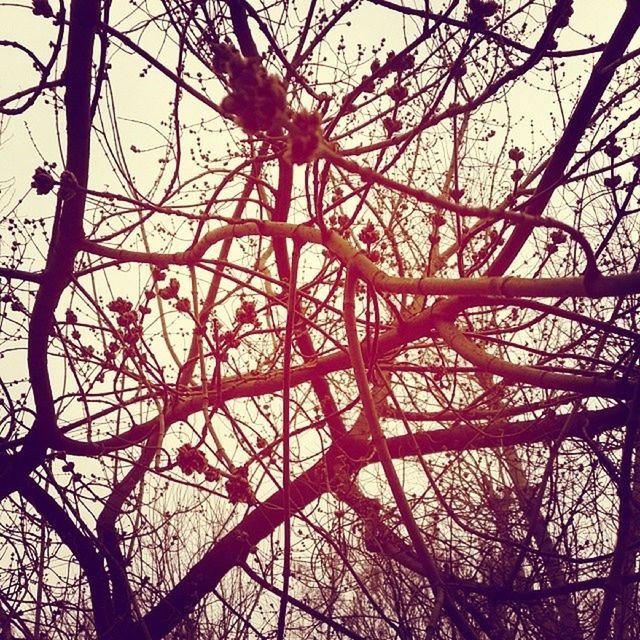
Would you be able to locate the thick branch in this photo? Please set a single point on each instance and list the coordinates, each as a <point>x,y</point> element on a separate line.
<point>66,236</point>
<point>81,547</point>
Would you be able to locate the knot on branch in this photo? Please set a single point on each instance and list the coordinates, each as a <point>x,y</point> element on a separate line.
<point>561,13</point>
<point>447,309</point>
<point>68,185</point>
<point>591,277</point>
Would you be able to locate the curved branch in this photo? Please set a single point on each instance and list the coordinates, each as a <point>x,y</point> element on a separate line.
<point>81,547</point>
<point>66,235</point>
<point>384,457</point>
<point>232,549</point>
<point>602,286</point>
<point>471,352</point>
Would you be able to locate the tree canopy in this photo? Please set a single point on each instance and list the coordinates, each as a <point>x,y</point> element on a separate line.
<point>318,319</point>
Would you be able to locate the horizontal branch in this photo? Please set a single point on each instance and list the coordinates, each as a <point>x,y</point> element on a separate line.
<point>414,328</point>
<point>578,286</point>
<point>502,433</point>
<point>19,274</point>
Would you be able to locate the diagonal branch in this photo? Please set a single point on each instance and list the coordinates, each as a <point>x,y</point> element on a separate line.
<point>599,80</point>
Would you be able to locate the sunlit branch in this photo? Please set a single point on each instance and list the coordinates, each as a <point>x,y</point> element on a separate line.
<point>384,457</point>
<point>509,286</point>
<point>587,385</point>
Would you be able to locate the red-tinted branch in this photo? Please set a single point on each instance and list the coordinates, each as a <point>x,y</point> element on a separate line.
<point>232,549</point>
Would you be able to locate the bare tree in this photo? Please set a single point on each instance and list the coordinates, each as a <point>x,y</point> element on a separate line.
<point>319,320</point>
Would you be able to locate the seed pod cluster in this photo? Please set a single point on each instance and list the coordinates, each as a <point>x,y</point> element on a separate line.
<point>479,11</point>
<point>305,137</point>
<point>257,99</point>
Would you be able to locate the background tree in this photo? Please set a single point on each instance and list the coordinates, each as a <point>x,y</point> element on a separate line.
<point>319,320</point>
